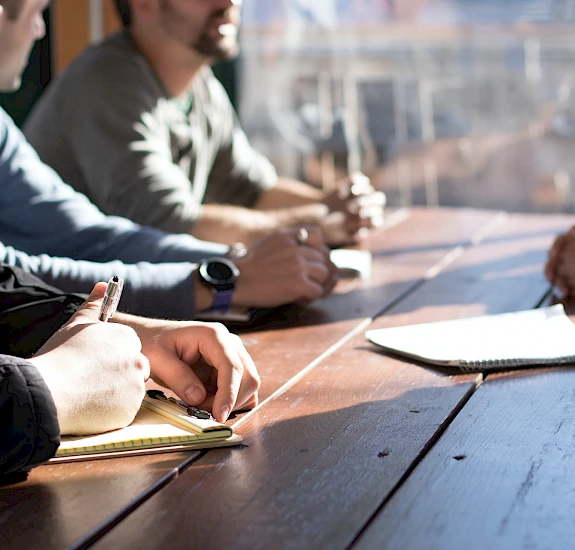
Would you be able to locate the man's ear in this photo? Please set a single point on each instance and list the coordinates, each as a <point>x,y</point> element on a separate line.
<point>145,10</point>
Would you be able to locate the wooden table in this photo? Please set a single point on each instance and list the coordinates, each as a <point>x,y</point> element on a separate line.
<point>351,448</point>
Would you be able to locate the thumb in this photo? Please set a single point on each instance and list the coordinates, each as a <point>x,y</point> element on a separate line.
<point>89,311</point>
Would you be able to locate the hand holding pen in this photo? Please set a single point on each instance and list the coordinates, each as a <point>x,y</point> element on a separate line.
<point>111,298</point>
<point>95,371</point>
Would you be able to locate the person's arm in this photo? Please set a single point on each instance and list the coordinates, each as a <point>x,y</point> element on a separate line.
<point>289,193</point>
<point>42,215</point>
<point>29,432</point>
<point>276,271</point>
<point>164,290</point>
<point>340,214</point>
<point>231,224</point>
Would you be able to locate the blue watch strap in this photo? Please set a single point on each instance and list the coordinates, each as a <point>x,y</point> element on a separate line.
<point>222,300</point>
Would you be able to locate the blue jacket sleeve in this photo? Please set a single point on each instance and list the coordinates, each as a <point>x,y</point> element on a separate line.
<point>40,214</point>
<point>163,291</point>
<point>29,432</point>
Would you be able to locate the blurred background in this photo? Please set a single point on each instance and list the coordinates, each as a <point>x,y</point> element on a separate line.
<point>440,102</point>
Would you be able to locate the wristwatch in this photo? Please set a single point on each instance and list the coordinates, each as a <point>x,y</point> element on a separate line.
<point>219,275</point>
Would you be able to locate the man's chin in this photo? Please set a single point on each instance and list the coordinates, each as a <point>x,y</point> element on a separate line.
<point>223,50</point>
<point>8,85</point>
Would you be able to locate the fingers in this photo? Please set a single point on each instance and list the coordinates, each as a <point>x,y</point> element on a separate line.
<point>560,268</point>
<point>318,274</point>
<point>144,366</point>
<point>248,396</point>
<point>365,211</point>
<point>237,376</point>
<point>200,350</point>
<point>313,236</point>
<point>361,205</point>
<point>554,256</point>
<point>90,309</point>
<point>181,379</point>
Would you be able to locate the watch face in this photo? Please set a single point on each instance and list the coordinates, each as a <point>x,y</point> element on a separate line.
<point>220,273</point>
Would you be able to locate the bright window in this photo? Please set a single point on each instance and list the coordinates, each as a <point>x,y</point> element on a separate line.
<point>451,102</point>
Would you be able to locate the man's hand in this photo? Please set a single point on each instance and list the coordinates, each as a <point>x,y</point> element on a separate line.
<point>281,269</point>
<point>560,268</point>
<point>94,371</point>
<point>355,207</point>
<point>202,363</point>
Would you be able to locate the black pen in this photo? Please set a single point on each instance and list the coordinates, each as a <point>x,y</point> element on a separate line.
<point>111,298</point>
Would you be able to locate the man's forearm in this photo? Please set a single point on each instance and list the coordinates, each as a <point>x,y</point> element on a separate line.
<point>231,224</point>
<point>288,193</point>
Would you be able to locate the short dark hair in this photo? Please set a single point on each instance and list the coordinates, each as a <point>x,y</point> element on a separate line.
<point>124,11</point>
<point>12,8</point>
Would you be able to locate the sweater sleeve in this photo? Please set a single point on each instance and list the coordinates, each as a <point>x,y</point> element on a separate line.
<point>164,291</point>
<point>40,214</point>
<point>28,422</point>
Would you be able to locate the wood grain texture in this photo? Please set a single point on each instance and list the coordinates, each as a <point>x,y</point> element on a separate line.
<point>402,256</point>
<point>61,503</point>
<point>324,455</point>
<point>500,477</point>
<point>82,496</point>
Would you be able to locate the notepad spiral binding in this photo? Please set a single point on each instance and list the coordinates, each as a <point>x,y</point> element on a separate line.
<point>491,364</point>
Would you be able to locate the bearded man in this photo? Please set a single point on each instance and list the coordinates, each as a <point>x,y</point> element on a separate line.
<point>140,125</point>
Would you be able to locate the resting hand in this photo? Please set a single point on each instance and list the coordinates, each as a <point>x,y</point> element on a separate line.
<point>280,270</point>
<point>94,371</point>
<point>202,363</point>
<point>355,207</point>
<point>560,268</point>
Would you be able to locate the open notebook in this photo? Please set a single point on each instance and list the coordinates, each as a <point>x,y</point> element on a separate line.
<point>159,426</point>
<point>542,336</point>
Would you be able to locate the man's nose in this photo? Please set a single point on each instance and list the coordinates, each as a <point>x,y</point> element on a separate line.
<point>38,27</point>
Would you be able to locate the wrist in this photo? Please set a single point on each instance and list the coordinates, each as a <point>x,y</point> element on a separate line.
<point>218,276</point>
<point>309,214</point>
<point>44,363</point>
<point>204,298</point>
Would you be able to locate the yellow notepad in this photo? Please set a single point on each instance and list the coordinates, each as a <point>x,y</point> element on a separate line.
<point>158,427</point>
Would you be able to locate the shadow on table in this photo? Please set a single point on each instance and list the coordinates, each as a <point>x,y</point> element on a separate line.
<point>327,464</point>
<point>501,281</point>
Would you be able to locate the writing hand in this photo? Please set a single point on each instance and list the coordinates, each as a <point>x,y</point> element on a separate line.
<point>94,371</point>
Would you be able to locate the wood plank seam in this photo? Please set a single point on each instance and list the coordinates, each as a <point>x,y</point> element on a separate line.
<point>424,451</point>
<point>450,257</point>
<point>105,527</point>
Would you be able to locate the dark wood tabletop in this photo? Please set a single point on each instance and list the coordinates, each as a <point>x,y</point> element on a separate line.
<point>351,448</point>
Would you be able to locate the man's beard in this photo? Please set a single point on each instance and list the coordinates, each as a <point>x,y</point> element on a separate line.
<point>223,49</point>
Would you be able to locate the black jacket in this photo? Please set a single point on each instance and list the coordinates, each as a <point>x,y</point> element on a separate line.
<point>30,312</point>
<point>29,433</point>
